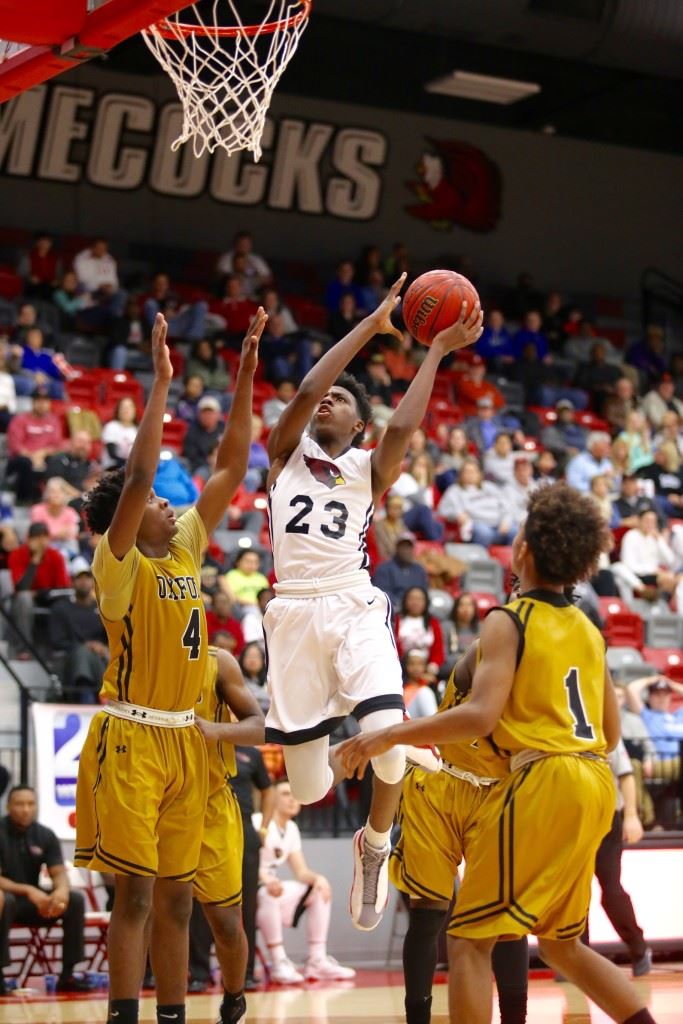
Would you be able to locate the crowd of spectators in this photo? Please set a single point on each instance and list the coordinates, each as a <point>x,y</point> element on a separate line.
<point>544,395</point>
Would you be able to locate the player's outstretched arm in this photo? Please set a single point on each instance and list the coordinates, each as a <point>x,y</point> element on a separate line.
<point>491,688</point>
<point>390,452</point>
<point>250,728</point>
<point>143,460</point>
<point>286,434</point>
<point>233,451</point>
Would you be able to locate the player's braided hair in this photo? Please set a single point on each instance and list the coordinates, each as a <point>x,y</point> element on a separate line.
<point>566,533</point>
<point>100,503</point>
<point>362,399</point>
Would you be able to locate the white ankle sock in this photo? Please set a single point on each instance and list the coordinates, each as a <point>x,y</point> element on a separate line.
<point>277,954</point>
<point>378,840</point>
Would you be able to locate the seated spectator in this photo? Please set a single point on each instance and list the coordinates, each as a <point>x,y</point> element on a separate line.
<point>416,629</point>
<point>257,273</point>
<point>617,407</point>
<point>631,502</point>
<point>600,493</point>
<point>645,552</point>
<point>597,376</point>
<point>244,581</point>
<point>483,428</point>
<point>397,262</point>
<point>205,363</point>
<point>420,444</point>
<point>8,394</point>
<point>252,619</point>
<point>665,727</point>
<point>186,321</point>
<point>8,542</point>
<point>401,358</point>
<point>472,387</point>
<point>281,903</point>
<point>388,529</point>
<point>554,318</point>
<point>374,291</point>
<point>253,665</point>
<point>516,494</point>
<point>463,627</point>
<point>37,367</point>
<point>640,749</point>
<point>220,619</point>
<point>235,307</point>
<point>418,695</point>
<point>25,847</point>
<point>36,569</point>
<point>98,277</point>
<point>31,438</point>
<point>495,344</point>
<point>377,380</point>
<point>274,306</point>
<point>40,268</point>
<point>77,634</point>
<point>587,464</point>
<point>670,430</point>
<point>531,333</point>
<point>27,319</point>
<point>62,521</point>
<point>580,345</point>
<point>342,285</point>
<point>667,480</point>
<point>259,463</point>
<point>499,461</point>
<point>70,299</point>
<point>129,344</point>
<point>449,462</point>
<point>119,433</point>
<point>545,469</point>
<point>637,438</point>
<point>203,435</point>
<point>345,317</point>
<point>190,397</point>
<point>647,356</point>
<point>479,507</point>
<point>369,261</point>
<point>285,355</point>
<point>618,455</point>
<point>173,481</point>
<point>285,389</point>
<point>401,572</point>
<point>416,486</point>
<point>565,437</point>
<point>662,399</point>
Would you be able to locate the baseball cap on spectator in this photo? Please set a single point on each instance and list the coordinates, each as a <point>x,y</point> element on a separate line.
<point>40,391</point>
<point>209,402</point>
<point>661,686</point>
<point>484,403</point>
<point>78,566</point>
<point>564,403</point>
<point>38,530</point>
<point>406,538</point>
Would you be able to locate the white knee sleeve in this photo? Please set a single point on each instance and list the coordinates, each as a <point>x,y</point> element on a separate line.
<point>308,771</point>
<point>389,767</point>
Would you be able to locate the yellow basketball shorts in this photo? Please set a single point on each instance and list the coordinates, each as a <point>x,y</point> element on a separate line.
<point>219,875</point>
<point>141,799</point>
<point>531,860</point>
<point>437,814</point>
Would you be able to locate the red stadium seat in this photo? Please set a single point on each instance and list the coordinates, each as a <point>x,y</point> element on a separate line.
<point>666,659</point>
<point>591,421</point>
<point>85,391</point>
<point>545,415</point>
<point>485,602</point>
<point>624,629</point>
<point>612,605</point>
<point>173,434</point>
<point>11,285</point>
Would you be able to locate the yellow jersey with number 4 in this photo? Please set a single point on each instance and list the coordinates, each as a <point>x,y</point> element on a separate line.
<point>222,764</point>
<point>557,698</point>
<point>153,612</point>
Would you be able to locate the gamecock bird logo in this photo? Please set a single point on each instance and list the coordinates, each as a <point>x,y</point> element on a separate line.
<point>458,185</point>
<point>326,472</point>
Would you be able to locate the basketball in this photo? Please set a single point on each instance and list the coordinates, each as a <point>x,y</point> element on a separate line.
<point>434,302</point>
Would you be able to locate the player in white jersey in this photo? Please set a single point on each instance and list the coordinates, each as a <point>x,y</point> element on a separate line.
<point>330,645</point>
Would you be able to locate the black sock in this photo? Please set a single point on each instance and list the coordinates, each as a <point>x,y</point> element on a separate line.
<point>174,1013</point>
<point>511,968</point>
<point>642,1017</point>
<point>419,961</point>
<point>233,1007</point>
<point>123,1011</point>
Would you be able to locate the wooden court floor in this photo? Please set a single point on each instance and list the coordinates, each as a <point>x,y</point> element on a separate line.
<point>374,996</point>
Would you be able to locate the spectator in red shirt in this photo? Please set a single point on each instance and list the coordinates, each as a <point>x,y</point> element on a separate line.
<point>40,268</point>
<point>472,387</point>
<point>36,569</point>
<point>234,306</point>
<point>31,437</point>
<point>219,620</point>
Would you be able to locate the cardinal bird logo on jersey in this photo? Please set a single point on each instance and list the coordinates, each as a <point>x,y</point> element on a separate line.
<point>458,185</point>
<point>326,472</point>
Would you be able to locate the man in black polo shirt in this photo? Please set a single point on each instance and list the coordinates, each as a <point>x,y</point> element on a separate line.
<point>24,847</point>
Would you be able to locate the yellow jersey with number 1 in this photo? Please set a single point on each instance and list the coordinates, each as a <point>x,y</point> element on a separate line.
<point>557,698</point>
<point>153,612</point>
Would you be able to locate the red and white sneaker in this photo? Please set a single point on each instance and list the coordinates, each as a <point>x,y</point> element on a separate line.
<point>427,757</point>
<point>370,886</point>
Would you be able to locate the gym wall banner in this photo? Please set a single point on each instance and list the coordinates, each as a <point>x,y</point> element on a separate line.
<point>59,732</point>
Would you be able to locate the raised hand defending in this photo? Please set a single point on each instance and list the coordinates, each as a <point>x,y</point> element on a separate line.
<point>161,358</point>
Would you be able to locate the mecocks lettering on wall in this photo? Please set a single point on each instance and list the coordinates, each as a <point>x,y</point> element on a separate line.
<point>73,135</point>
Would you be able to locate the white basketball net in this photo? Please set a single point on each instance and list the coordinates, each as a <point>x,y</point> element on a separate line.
<point>225,83</point>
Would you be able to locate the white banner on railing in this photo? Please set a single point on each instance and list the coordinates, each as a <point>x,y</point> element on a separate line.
<point>59,732</point>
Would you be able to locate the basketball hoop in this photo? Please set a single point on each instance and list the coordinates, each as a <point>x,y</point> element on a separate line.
<point>225,76</point>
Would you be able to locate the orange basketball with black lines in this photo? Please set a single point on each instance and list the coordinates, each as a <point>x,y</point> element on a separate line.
<point>434,301</point>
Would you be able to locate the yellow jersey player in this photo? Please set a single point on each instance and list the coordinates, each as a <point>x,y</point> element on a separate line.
<point>439,814</point>
<point>142,777</point>
<point>227,713</point>
<point>543,692</point>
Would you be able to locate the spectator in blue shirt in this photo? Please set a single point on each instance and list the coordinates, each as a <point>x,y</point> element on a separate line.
<point>593,461</point>
<point>664,725</point>
<point>648,356</point>
<point>495,344</point>
<point>400,573</point>
<point>343,284</point>
<point>37,367</point>
<point>531,333</point>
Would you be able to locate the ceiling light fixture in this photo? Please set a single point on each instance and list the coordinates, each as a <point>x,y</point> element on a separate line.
<point>469,86</point>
